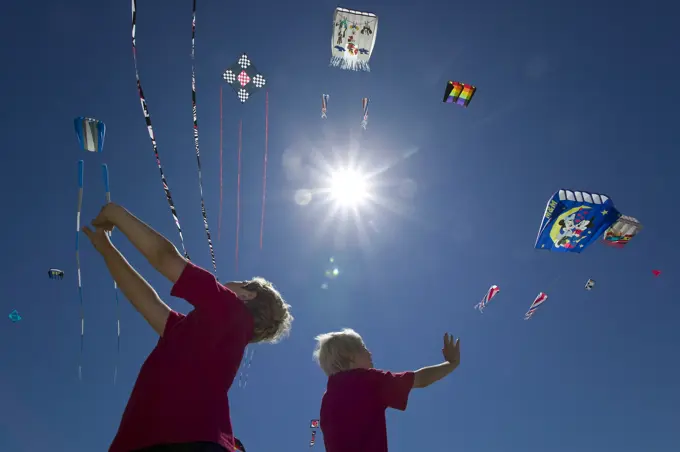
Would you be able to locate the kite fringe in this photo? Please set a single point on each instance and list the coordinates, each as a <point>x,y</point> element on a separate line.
<point>149,127</point>
<point>349,65</point>
<point>198,153</point>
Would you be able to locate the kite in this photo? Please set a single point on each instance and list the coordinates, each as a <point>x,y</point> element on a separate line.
<point>573,220</point>
<point>458,93</point>
<point>90,133</point>
<point>55,273</point>
<point>81,169</point>
<point>149,127</point>
<point>107,191</point>
<point>313,424</point>
<point>364,104</point>
<point>656,273</point>
<point>590,284</point>
<point>492,292</point>
<point>14,316</point>
<point>246,80</point>
<point>245,368</point>
<point>238,445</point>
<point>621,232</point>
<point>353,39</point>
<point>537,302</point>
<point>324,105</point>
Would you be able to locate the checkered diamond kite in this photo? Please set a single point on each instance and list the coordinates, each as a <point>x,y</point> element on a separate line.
<point>244,78</point>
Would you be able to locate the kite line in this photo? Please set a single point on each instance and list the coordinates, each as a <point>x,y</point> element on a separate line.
<point>81,168</point>
<point>264,170</point>
<point>219,220</point>
<point>198,154</point>
<point>238,192</point>
<point>107,190</point>
<point>149,127</point>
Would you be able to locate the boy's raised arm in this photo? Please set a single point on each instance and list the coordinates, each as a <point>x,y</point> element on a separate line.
<point>158,250</point>
<point>134,287</point>
<point>427,375</point>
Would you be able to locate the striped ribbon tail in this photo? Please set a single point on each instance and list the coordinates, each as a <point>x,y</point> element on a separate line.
<point>81,170</point>
<point>149,127</point>
<point>198,154</point>
<point>107,190</point>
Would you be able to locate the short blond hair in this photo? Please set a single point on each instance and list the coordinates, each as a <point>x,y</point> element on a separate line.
<point>335,351</point>
<point>271,313</point>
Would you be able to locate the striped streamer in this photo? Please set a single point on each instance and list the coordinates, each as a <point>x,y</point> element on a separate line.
<point>198,154</point>
<point>364,104</point>
<point>81,169</point>
<point>238,195</point>
<point>149,127</point>
<point>107,189</point>
<point>219,221</point>
<point>264,169</point>
<point>324,105</point>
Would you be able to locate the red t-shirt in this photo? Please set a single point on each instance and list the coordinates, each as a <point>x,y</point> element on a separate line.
<point>353,408</point>
<point>181,392</point>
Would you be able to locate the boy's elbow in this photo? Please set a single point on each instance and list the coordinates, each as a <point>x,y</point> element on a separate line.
<point>170,263</point>
<point>419,380</point>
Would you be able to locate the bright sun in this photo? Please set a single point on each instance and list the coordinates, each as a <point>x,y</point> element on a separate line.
<point>348,188</point>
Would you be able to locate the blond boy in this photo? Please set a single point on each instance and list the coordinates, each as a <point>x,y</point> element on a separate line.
<point>179,401</point>
<point>357,395</point>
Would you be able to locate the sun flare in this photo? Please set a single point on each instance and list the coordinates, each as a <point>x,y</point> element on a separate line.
<point>348,188</point>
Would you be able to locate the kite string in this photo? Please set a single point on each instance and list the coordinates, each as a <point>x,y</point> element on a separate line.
<point>238,193</point>
<point>107,191</point>
<point>198,154</point>
<point>81,168</point>
<point>149,127</point>
<point>264,170</point>
<point>219,221</point>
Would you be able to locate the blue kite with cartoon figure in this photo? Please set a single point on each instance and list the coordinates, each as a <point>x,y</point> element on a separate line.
<point>575,219</point>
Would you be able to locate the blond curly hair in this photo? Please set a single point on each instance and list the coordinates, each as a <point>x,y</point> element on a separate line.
<point>271,313</point>
<point>335,351</point>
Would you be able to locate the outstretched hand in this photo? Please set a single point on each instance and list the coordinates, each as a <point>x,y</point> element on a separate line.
<point>99,237</point>
<point>451,350</point>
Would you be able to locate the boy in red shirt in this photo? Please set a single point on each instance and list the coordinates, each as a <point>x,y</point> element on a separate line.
<point>357,395</point>
<point>179,402</point>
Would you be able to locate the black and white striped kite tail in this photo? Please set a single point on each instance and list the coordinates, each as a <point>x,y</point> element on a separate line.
<point>149,127</point>
<point>198,154</point>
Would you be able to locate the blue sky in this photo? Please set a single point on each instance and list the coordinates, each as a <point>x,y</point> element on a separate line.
<point>572,95</point>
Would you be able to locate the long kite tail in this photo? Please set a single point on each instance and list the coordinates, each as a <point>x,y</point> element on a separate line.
<point>107,190</point>
<point>264,169</point>
<point>81,168</point>
<point>245,368</point>
<point>149,127</point>
<point>219,221</point>
<point>238,194</point>
<point>198,154</point>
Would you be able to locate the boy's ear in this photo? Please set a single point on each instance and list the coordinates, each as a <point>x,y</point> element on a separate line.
<point>246,295</point>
